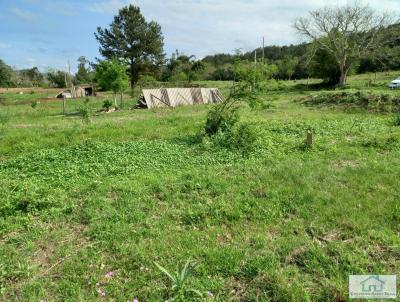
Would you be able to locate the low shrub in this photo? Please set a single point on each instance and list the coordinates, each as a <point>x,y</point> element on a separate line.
<point>371,102</point>
<point>224,130</point>
<point>244,138</point>
<point>85,112</point>
<point>221,118</point>
<point>396,120</point>
<point>107,104</point>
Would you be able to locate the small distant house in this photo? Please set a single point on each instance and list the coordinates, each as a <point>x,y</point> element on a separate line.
<point>372,284</point>
<point>83,91</point>
<point>173,97</point>
<point>79,91</point>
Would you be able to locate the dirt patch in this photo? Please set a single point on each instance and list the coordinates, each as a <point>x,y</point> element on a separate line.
<point>58,246</point>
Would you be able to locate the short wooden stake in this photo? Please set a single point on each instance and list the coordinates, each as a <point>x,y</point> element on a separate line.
<point>64,105</point>
<point>309,138</point>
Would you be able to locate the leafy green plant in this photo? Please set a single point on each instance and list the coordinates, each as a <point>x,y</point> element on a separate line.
<point>111,75</point>
<point>84,112</point>
<point>34,104</point>
<point>107,104</point>
<point>222,123</point>
<point>179,288</point>
<point>244,138</point>
<point>221,118</point>
<point>396,120</point>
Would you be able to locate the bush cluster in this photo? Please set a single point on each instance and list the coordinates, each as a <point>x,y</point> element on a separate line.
<point>371,102</point>
<point>107,104</point>
<point>224,129</point>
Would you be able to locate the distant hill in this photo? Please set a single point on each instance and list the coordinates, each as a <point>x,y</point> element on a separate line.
<point>388,59</point>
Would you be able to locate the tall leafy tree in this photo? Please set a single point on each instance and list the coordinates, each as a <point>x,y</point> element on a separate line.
<point>58,78</point>
<point>33,76</point>
<point>134,39</point>
<point>111,75</point>
<point>84,74</point>
<point>6,74</point>
<point>182,68</point>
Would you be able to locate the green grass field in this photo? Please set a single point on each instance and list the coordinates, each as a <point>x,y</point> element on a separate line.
<point>87,209</point>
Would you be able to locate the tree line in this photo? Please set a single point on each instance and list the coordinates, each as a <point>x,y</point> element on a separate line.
<point>339,41</point>
<point>33,77</point>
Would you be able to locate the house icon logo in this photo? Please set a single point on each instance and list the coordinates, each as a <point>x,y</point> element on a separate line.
<point>372,284</point>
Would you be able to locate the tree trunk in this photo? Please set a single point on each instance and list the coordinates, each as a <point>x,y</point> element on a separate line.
<point>343,77</point>
<point>115,100</point>
<point>133,77</point>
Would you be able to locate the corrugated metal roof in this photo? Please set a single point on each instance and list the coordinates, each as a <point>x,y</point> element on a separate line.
<point>173,97</point>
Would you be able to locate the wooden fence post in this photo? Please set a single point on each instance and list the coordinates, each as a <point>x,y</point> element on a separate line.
<point>64,105</point>
<point>309,138</point>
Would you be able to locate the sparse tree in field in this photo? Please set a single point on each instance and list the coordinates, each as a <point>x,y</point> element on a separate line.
<point>84,74</point>
<point>348,33</point>
<point>253,76</point>
<point>111,75</point>
<point>57,78</point>
<point>33,75</point>
<point>323,65</point>
<point>181,67</point>
<point>132,38</point>
<point>287,67</point>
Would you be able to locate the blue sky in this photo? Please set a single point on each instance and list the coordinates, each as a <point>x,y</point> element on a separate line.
<point>48,33</point>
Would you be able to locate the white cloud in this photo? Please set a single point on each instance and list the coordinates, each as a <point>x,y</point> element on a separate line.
<point>202,27</point>
<point>24,14</point>
<point>4,45</point>
<point>108,6</point>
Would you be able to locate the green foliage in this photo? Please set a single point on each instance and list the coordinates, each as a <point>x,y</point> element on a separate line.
<point>396,120</point>
<point>146,80</point>
<point>287,67</point>
<point>244,138</point>
<point>181,67</point>
<point>131,38</point>
<point>363,100</point>
<point>57,78</point>
<point>84,74</point>
<point>34,104</point>
<point>111,75</point>
<point>254,76</point>
<point>180,291</point>
<point>221,118</point>
<point>32,76</point>
<point>6,73</point>
<point>223,127</point>
<point>107,104</point>
<point>323,65</point>
<point>223,73</point>
<point>85,111</point>
<point>4,117</point>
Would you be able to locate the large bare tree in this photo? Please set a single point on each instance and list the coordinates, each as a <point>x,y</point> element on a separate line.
<point>348,33</point>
